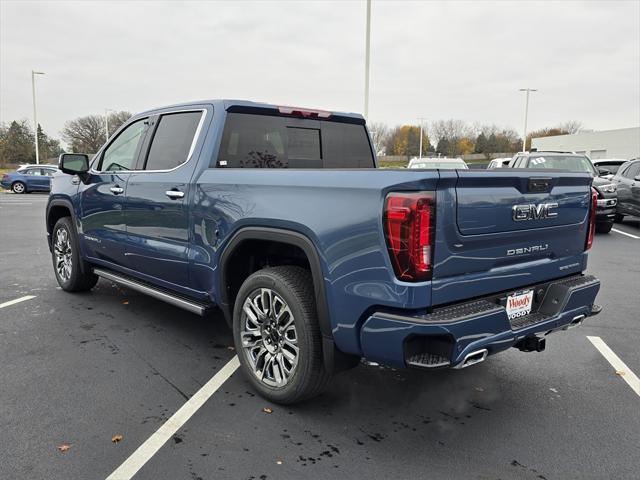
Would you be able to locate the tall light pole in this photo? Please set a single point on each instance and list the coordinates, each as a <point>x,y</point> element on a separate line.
<point>106,123</point>
<point>366,62</point>
<point>421,120</point>
<point>526,114</point>
<point>35,116</point>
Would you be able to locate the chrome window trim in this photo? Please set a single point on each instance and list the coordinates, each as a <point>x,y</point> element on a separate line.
<point>196,136</point>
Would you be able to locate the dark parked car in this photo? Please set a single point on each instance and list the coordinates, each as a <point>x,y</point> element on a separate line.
<point>628,181</point>
<point>576,162</point>
<point>29,178</point>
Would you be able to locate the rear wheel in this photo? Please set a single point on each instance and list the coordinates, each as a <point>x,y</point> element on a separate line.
<point>70,274</point>
<point>277,337</point>
<point>604,227</point>
<point>18,187</point>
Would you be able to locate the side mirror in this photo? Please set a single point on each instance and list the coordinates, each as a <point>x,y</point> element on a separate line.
<point>602,171</point>
<point>74,163</point>
<point>637,179</point>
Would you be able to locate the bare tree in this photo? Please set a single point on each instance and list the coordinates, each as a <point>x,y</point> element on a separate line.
<point>116,119</point>
<point>572,126</point>
<point>87,134</point>
<point>379,135</point>
<point>450,130</point>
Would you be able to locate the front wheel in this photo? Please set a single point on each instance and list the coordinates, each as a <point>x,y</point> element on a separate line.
<point>70,274</point>
<point>618,218</point>
<point>18,187</point>
<point>277,336</point>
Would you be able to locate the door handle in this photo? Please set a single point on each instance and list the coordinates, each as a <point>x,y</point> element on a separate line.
<point>117,190</point>
<point>174,194</point>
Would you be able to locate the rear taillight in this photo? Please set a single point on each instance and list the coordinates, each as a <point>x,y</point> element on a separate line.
<point>592,218</point>
<point>409,223</point>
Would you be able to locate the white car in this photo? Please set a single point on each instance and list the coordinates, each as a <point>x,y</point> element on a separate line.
<point>610,165</point>
<point>499,163</point>
<point>438,162</point>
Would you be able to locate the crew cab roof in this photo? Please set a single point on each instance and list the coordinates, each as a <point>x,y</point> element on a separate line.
<point>228,104</point>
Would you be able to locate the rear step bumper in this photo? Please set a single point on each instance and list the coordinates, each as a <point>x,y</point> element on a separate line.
<point>465,334</point>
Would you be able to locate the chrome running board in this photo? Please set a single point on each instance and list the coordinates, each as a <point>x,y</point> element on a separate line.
<point>191,306</point>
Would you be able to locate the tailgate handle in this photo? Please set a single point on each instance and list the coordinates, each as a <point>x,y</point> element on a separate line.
<point>539,184</point>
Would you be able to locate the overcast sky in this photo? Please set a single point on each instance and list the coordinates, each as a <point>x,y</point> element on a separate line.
<point>432,59</point>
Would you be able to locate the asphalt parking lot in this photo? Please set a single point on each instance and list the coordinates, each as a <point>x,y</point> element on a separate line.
<point>79,369</point>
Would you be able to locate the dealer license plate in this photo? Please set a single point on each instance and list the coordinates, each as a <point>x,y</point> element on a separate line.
<point>519,304</point>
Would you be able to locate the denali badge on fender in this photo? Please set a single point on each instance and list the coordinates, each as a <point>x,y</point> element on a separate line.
<point>534,212</point>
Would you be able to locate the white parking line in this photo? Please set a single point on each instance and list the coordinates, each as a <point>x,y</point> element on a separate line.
<point>17,300</point>
<point>151,446</point>
<point>621,368</point>
<point>625,233</point>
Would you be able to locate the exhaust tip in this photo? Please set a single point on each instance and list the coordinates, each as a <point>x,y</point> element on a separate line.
<point>576,322</point>
<point>473,358</point>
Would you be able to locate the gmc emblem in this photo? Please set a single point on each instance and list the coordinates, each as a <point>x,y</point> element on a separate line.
<point>534,212</point>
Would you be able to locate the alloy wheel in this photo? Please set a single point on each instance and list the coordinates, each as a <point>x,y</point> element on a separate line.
<point>63,255</point>
<point>269,337</point>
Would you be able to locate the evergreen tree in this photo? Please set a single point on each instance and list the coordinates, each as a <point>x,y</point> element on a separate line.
<point>481,143</point>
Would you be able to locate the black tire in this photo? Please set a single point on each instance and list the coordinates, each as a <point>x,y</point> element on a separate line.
<point>18,187</point>
<point>295,287</point>
<point>604,227</point>
<point>618,218</point>
<point>78,277</point>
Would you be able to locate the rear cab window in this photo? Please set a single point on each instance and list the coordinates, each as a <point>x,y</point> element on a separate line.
<point>255,140</point>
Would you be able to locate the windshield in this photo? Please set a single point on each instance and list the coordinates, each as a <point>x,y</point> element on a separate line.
<point>612,167</point>
<point>572,163</point>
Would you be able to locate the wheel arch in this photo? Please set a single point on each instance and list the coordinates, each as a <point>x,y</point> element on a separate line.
<point>334,359</point>
<point>56,209</point>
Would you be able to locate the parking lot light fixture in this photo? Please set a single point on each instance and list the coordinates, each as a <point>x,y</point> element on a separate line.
<point>366,61</point>
<point>526,113</point>
<point>106,123</point>
<point>421,120</point>
<point>35,116</point>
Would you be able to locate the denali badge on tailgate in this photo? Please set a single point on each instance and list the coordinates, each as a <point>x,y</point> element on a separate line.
<point>533,212</point>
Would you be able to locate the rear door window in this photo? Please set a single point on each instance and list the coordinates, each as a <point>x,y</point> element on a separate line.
<point>172,140</point>
<point>267,141</point>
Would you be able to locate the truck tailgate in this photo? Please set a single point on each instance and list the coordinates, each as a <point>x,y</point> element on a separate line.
<point>511,228</point>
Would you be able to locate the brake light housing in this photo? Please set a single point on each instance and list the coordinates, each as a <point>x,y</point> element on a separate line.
<point>409,227</point>
<point>303,112</point>
<point>592,219</point>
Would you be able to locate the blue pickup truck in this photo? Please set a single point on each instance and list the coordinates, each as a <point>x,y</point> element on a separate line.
<point>280,218</point>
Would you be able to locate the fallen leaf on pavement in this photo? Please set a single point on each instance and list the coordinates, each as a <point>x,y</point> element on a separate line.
<point>64,447</point>
<point>116,438</point>
<point>125,302</point>
<point>620,372</point>
<point>230,348</point>
<point>267,410</point>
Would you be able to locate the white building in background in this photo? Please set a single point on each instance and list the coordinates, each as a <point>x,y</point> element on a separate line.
<point>620,143</point>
